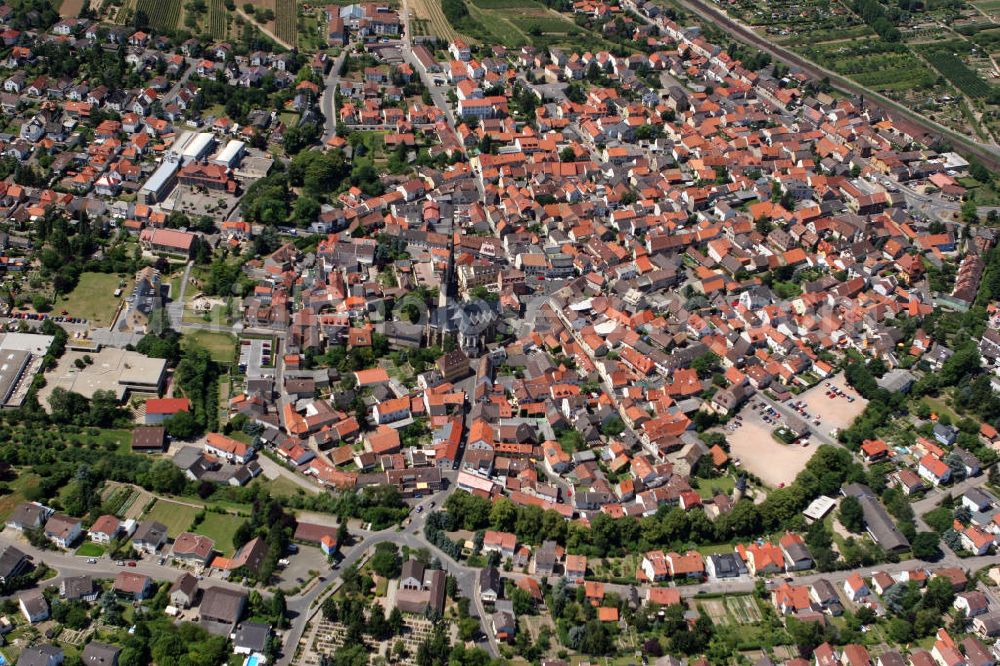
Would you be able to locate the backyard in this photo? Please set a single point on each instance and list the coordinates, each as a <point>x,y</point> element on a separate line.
<point>18,488</point>
<point>177,517</point>
<point>220,527</point>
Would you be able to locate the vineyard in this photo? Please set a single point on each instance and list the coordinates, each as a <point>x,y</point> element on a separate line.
<point>163,14</point>
<point>217,18</point>
<point>286,20</point>
<point>956,71</point>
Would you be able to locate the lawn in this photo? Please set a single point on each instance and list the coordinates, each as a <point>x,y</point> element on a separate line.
<point>220,528</point>
<point>90,549</point>
<point>177,517</point>
<point>121,438</point>
<point>94,297</point>
<point>938,406</point>
<point>18,487</point>
<point>280,486</point>
<point>222,346</point>
<point>710,487</point>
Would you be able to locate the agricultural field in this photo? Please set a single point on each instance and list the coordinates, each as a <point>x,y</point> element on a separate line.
<point>286,20</point>
<point>799,22</point>
<point>987,38</point>
<point>955,70</point>
<point>427,18</point>
<point>218,17</point>
<point>120,501</point>
<point>163,14</point>
<point>70,8</point>
<point>879,65</point>
<point>514,23</point>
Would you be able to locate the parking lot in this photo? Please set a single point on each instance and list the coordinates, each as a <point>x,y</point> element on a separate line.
<point>753,446</point>
<point>837,412</point>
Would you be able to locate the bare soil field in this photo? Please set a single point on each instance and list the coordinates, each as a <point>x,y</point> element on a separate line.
<point>70,8</point>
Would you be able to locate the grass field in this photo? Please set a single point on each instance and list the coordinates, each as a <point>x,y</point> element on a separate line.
<point>177,517</point>
<point>222,346</point>
<point>90,549</point>
<point>279,487</point>
<point>988,6</point>
<point>94,298</point>
<point>220,528</point>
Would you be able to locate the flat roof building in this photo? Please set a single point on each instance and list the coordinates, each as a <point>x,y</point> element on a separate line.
<point>117,370</point>
<point>231,155</point>
<point>12,366</point>
<point>159,185</point>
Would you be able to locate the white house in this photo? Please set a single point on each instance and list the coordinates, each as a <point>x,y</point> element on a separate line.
<point>933,470</point>
<point>855,587</point>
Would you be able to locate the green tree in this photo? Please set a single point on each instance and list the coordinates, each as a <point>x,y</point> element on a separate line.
<point>386,561</point>
<point>925,546</point>
<point>851,515</point>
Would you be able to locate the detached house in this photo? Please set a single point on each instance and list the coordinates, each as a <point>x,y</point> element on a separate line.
<point>933,470</point>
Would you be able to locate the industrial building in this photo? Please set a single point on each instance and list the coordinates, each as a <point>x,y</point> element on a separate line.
<point>21,357</point>
<point>231,155</point>
<point>159,185</point>
<point>189,147</point>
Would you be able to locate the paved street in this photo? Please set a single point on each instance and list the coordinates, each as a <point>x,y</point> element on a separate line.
<point>175,308</point>
<point>68,564</point>
<point>329,90</point>
<point>956,490</point>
